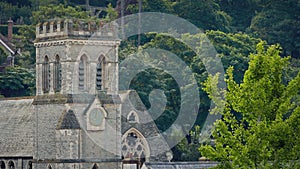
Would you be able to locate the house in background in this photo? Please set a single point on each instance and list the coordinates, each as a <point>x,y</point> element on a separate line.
<point>8,48</point>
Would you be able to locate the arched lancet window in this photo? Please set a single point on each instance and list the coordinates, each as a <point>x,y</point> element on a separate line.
<point>99,73</point>
<point>46,75</point>
<point>132,117</point>
<point>134,146</point>
<point>95,166</point>
<point>29,165</point>
<point>82,73</point>
<point>57,74</point>
<point>11,165</point>
<point>2,164</point>
<point>49,166</point>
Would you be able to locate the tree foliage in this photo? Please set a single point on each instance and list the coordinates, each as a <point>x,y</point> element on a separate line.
<point>51,11</point>
<point>278,22</point>
<point>205,14</point>
<point>241,12</point>
<point>232,48</point>
<point>187,148</point>
<point>17,13</point>
<point>24,40</point>
<point>260,124</point>
<point>132,6</point>
<point>17,81</point>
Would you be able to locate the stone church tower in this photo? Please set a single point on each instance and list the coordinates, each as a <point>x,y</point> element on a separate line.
<point>78,108</point>
<point>78,119</point>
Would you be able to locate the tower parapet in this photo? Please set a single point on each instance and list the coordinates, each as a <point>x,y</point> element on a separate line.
<point>68,28</point>
<point>76,57</point>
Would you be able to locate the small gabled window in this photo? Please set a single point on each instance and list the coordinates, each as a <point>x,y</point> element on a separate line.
<point>132,117</point>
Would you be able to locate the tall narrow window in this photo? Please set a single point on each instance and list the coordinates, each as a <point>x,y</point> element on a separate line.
<point>99,73</point>
<point>46,75</point>
<point>57,74</point>
<point>49,166</point>
<point>29,165</point>
<point>11,165</point>
<point>95,166</point>
<point>82,73</point>
<point>2,165</point>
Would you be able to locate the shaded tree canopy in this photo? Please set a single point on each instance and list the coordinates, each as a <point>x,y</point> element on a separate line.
<point>278,22</point>
<point>17,81</point>
<point>260,124</point>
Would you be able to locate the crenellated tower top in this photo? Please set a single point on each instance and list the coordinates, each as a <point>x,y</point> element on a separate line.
<point>75,28</point>
<point>75,56</point>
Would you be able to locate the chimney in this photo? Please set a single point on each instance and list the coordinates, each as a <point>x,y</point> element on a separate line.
<point>10,29</point>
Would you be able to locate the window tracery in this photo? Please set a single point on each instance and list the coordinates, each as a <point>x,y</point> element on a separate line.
<point>134,146</point>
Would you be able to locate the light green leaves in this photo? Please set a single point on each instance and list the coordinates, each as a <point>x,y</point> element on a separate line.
<point>260,123</point>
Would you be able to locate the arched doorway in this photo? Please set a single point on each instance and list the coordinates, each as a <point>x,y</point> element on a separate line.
<point>135,149</point>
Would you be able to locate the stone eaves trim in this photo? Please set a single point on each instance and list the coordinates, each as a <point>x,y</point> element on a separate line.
<point>97,42</point>
<point>77,160</point>
<point>75,98</point>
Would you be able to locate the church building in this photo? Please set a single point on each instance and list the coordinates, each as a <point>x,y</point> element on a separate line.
<point>78,119</point>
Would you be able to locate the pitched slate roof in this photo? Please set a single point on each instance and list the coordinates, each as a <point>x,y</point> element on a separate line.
<point>146,125</point>
<point>7,45</point>
<point>16,128</point>
<point>68,120</point>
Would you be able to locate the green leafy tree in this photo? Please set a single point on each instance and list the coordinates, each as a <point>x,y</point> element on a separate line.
<point>17,13</point>
<point>112,14</point>
<point>3,55</point>
<point>241,12</point>
<point>51,11</point>
<point>205,14</point>
<point>36,4</point>
<point>17,81</point>
<point>278,22</point>
<point>187,148</point>
<point>260,124</point>
<point>24,40</point>
<point>132,6</point>
<point>232,48</point>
